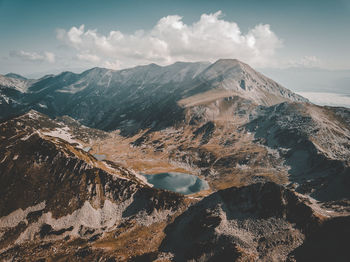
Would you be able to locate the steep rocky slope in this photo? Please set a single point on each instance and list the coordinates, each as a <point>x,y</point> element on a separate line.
<point>260,222</point>
<point>315,144</point>
<point>56,196</point>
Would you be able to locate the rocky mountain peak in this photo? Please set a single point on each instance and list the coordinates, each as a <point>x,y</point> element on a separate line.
<point>224,68</point>
<point>229,63</point>
<point>15,82</point>
<point>238,77</point>
<point>13,75</point>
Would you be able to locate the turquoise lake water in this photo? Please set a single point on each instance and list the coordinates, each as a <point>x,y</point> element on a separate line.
<point>99,157</point>
<point>178,182</point>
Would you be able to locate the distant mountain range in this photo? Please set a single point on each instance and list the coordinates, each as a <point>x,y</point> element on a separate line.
<point>132,98</point>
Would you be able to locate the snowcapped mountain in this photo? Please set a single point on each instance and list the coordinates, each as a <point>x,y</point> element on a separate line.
<point>14,81</point>
<point>12,92</point>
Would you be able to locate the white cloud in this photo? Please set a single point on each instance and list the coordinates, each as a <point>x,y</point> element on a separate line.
<point>112,65</point>
<point>88,58</point>
<point>33,56</point>
<point>50,57</point>
<point>170,40</point>
<point>305,61</point>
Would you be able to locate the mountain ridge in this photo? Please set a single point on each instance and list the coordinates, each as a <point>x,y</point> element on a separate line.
<point>116,93</point>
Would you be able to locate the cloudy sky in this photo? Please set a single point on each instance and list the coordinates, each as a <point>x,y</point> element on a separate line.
<point>43,36</point>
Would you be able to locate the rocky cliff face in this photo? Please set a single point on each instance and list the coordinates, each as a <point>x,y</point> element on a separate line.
<point>260,222</point>
<point>313,141</point>
<point>52,191</point>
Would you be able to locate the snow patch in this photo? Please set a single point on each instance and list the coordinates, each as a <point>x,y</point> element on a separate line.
<point>74,88</point>
<point>3,159</point>
<point>142,178</point>
<point>28,136</point>
<point>63,134</point>
<point>18,84</point>
<point>5,98</point>
<point>33,114</point>
<point>42,105</point>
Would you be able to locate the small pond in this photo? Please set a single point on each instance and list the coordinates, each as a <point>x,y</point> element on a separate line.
<point>99,157</point>
<point>87,148</point>
<point>178,182</point>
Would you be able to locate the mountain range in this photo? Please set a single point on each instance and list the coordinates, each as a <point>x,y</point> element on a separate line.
<point>110,100</point>
<point>75,147</point>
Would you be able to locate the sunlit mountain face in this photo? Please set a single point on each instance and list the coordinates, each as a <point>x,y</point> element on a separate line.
<point>163,131</point>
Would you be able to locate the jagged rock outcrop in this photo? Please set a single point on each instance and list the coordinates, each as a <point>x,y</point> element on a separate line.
<point>315,144</point>
<point>260,222</point>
